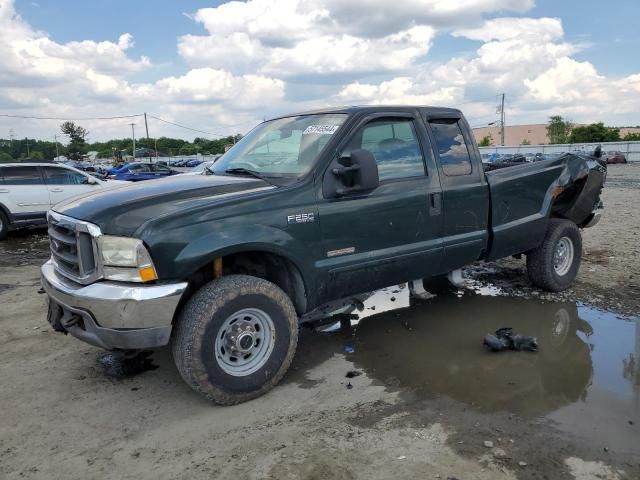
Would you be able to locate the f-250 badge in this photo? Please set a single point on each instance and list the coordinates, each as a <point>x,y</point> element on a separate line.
<point>301,218</point>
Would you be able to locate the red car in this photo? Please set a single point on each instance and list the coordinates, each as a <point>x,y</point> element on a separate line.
<point>615,156</point>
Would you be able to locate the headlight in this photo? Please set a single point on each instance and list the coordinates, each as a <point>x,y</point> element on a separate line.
<point>125,259</point>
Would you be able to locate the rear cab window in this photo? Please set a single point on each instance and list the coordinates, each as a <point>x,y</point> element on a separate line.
<point>452,148</point>
<point>21,175</point>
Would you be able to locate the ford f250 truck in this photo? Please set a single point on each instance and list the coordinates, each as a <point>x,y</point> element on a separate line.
<point>304,210</point>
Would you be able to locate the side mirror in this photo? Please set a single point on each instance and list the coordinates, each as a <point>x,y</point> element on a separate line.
<point>356,173</point>
<point>92,180</point>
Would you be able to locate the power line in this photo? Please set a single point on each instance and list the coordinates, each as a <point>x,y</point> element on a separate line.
<point>72,119</point>
<point>188,128</point>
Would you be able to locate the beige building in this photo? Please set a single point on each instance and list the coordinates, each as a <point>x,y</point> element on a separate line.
<point>535,134</point>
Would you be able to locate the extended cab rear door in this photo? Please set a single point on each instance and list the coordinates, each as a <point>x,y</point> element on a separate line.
<point>464,188</point>
<point>393,233</point>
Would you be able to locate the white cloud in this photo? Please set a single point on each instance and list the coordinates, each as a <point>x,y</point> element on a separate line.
<point>323,37</point>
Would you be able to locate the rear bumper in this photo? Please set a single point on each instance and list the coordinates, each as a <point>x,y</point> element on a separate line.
<point>111,314</point>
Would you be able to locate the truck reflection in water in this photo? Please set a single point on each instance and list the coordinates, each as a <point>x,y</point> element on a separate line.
<point>436,349</point>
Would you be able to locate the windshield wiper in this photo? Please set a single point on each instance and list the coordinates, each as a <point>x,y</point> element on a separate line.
<point>246,171</point>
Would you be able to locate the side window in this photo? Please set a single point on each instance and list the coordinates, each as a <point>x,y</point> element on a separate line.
<point>139,168</point>
<point>394,144</point>
<point>454,152</point>
<point>159,168</point>
<point>62,176</point>
<point>22,176</point>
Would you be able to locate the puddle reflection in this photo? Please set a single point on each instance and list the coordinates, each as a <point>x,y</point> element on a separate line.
<point>435,348</point>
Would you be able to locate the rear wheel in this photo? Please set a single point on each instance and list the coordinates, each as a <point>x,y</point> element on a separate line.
<point>4,225</point>
<point>235,338</point>
<point>555,263</point>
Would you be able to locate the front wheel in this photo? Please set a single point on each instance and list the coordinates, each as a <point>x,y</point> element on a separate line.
<point>235,338</point>
<point>555,263</point>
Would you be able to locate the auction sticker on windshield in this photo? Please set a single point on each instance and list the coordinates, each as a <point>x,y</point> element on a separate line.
<point>321,129</point>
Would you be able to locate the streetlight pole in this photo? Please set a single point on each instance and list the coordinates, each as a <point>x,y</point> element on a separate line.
<point>133,136</point>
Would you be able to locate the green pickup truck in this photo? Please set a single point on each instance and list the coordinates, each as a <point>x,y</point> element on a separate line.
<point>304,210</point>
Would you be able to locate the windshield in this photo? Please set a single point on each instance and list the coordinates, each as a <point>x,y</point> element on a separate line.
<point>283,148</point>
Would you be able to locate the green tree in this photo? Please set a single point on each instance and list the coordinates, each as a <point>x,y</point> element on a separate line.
<point>37,155</point>
<point>486,141</point>
<point>632,137</point>
<point>525,142</point>
<point>5,157</point>
<point>77,142</point>
<point>558,129</point>
<point>596,132</point>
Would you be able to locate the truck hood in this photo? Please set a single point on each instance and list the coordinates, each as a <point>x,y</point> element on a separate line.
<point>123,209</point>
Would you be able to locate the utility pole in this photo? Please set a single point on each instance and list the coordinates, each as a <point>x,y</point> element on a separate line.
<point>55,139</point>
<point>26,140</point>
<point>501,112</point>
<point>133,136</point>
<point>146,126</point>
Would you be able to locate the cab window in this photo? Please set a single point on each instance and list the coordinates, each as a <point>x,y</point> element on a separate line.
<point>452,148</point>
<point>394,144</point>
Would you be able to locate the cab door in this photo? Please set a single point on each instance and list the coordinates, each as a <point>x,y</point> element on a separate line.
<point>63,183</point>
<point>392,234</point>
<point>465,191</point>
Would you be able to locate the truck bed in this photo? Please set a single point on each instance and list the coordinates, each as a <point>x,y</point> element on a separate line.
<point>524,197</point>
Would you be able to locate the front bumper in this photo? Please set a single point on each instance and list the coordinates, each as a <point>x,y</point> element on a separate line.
<point>111,314</point>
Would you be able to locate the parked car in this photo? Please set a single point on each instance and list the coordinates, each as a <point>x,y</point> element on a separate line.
<point>137,171</point>
<point>28,190</point>
<point>304,210</point>
<point>615,156</point>
<point>193,163</point>
<point>203,169</point>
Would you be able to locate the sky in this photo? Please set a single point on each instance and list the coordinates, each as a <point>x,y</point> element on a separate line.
<point>221,67</point>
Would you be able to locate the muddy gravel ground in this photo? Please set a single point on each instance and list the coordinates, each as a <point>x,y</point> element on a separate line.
<point>406,390</point>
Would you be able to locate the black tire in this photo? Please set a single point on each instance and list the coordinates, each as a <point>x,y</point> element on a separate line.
<point>4,225</point>
<point>194,337</point>
<point>540,261</point>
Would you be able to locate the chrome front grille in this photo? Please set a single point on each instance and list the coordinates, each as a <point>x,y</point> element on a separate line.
<point>73,248</point>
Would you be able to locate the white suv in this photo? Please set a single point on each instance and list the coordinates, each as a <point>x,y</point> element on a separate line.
<point>28,190</point>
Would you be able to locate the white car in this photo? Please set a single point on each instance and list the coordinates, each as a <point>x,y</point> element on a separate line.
<point>28,190</point>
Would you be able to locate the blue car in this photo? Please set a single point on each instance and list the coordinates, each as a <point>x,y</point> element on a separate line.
<point>135,172</point>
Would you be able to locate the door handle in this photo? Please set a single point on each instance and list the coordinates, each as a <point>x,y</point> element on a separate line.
<point>4,190</point>
<point>57,190</point>
<point>435,203</point>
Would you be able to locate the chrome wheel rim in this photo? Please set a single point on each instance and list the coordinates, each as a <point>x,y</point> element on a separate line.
<point>244,342</point>
<point>563,256</point>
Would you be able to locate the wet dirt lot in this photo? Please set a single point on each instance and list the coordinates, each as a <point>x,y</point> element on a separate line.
<point>422,401</point>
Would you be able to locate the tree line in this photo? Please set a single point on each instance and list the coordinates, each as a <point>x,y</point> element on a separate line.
<point>77,146</point>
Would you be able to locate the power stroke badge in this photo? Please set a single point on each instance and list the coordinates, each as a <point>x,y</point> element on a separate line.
<point>301,218</point>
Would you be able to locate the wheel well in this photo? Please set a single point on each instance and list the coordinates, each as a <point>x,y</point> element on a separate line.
<point>269,266</point>
<point>5,210</point>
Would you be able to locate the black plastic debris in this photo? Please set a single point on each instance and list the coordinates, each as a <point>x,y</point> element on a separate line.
<point>123,364</point>
<point>353,373</point>
<point>505,339</point>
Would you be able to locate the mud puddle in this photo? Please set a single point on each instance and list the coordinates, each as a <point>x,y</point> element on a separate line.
<point>24,247</point>
<point>585,376</point>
